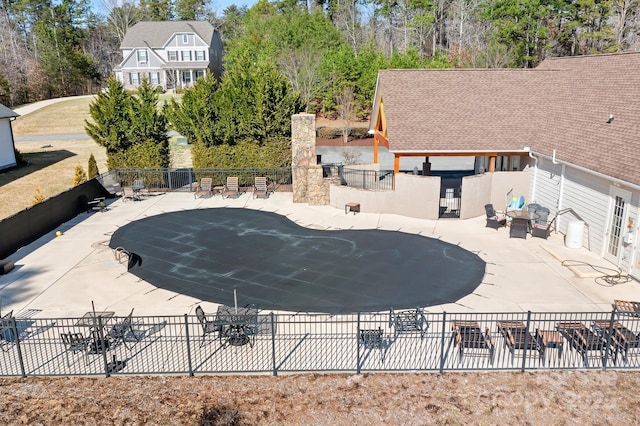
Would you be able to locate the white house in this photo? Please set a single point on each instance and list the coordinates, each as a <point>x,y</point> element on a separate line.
<point>170,54</point>
<point>7,147</point>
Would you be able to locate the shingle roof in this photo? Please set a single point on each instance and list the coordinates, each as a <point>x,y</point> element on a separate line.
<point>156,33</point>
<point>7,113</point>
<point>562,105</point>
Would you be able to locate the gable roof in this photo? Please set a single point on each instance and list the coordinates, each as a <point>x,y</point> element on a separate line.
<point>562,105</point>
<point>156,33</point>
<point>7,113</point>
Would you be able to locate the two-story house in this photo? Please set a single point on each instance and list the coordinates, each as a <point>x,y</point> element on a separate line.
<point>170,54</point>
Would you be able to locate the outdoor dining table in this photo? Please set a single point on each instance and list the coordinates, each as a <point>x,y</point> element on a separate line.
<point>520,222</point>
<point>238,324</point>
<point>91,319</point>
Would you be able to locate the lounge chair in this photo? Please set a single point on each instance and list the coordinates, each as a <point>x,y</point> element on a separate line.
<point>494,220</point>
<point>627,307</point>
<point>408,322</point>
<point>517,337</point>
<point>583,340</point>
<point>260,189</point>
<point>129,194</point>
<point>624,339</point>
<point>231,189</point>
<point>204,189</point>
<point>208,327</point>
<point>468,335</point>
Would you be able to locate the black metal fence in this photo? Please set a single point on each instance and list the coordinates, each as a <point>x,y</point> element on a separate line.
<point>276,343</point>
<point>187,179</point>
<point>382,180</point>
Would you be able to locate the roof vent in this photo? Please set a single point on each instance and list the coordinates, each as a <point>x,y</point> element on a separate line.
<point>610,120</point>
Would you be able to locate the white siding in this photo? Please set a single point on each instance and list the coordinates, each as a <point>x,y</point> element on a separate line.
<point>547,185</point>
<point>7,155</point>
<point>588,195</point>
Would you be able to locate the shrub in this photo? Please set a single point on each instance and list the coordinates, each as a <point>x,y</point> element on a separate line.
<point>92,167</point>
<point>80,176</point>
<point>38,197</point>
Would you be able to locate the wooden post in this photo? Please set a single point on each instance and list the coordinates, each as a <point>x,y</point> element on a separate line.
<point>492,163</point>
<point>375,148</point>
<point>396,164</point>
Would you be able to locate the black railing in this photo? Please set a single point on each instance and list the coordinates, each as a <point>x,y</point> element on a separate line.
<point>187,179</point>
<point>396,341</point>
<point>367,179</point>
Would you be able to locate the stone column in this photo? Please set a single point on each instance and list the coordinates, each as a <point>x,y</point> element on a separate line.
<point>303,151</point>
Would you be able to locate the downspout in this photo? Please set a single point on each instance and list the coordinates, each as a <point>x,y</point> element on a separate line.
<point>535,174</point>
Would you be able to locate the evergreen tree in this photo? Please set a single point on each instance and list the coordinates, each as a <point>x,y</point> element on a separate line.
<point>92,167</point>
<point>80,176</point>
<point>111,114</point>
<point>149,126</point>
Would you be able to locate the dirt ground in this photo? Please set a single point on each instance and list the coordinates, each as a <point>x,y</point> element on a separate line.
<point>549,398</point>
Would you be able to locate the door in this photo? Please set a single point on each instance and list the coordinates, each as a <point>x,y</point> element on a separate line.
<point>616,225</point>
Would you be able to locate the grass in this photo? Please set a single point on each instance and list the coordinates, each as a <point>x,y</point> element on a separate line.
<point>51,163</point>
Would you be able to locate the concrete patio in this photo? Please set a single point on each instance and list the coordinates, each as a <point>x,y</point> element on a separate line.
<point>60,276</point>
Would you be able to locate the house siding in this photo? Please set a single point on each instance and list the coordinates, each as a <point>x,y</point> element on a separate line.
<point>547,185</point>
<point>7,154</point>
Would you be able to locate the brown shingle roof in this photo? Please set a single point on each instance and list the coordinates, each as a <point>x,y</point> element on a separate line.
<point>562,105</point>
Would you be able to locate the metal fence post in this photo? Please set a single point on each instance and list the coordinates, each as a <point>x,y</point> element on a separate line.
<point>102,345</point>
<point>444,321</point>
<point>169,180</point>
<point>273,344</point>
<point>14,330</point>
<point>608,345</point>
<point>526,341</point>
<point>186,333</point>
<point>358,346</point>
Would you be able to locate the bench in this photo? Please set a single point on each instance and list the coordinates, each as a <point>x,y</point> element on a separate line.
<point>352,207</point>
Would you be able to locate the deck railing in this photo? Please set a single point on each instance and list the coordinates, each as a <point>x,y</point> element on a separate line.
<point>437,342</point>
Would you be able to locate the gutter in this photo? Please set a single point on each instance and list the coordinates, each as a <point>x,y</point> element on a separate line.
<point>589,171</point>
<point>450,151</point>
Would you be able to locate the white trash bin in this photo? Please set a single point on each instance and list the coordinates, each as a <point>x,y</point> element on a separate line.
<point>575,232</point>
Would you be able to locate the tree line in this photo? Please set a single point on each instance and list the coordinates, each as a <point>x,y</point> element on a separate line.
<point>326,49</point>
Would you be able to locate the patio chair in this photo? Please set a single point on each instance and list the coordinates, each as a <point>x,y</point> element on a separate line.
<point>260,188</point>
<point>231,189</point>
<point>584,340</point>
<point>468,335</point>
<point>517,337</point>
<point>7,332</point>
<point>204,189</point>
<point>76,343</point>
<point>208,327</point>
<point>408,322</point>
<point>129,194</point>
<point>624,339</point>
<point>541,227</point>
<point>627,307</point>
<point>494,220</point>
<point>120,330</point>
<point>372,339</point>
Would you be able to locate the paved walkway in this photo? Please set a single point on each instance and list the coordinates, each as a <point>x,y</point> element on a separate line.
<point>60,276</point>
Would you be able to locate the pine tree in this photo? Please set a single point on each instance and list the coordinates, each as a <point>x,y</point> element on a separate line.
<point>92,167</point>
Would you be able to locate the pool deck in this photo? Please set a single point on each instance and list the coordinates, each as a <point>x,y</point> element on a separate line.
<point>60,276</point>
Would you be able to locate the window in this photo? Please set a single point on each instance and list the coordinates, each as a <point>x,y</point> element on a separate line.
<point>186,55</point>
<point>142,56</point>
<point>185,38</point>
<point>134,78</point>
<point>199,74</point>
<point>154,78</point>
<point>186,77</point>
<point>173,55</point>
<point>199,55</point>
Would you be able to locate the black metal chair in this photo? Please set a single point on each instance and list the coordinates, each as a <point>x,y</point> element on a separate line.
<point>372,339</point>
<point>494,220</point>
<point>208,327</point>
<point>541,227</point>
<point>74,343</point>
<point>408,322</point>
<point>120,330</point>
<point>7,331</point>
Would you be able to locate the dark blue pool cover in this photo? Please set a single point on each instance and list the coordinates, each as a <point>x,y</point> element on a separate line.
<point>279,265</point>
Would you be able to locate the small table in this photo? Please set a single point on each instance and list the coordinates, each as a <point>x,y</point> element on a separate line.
<point>90,319</point>
<point>238,325</point>
<point>520,222</point>
<point>549,339</point>
<point>218,190</point>
<point>352,207</point>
